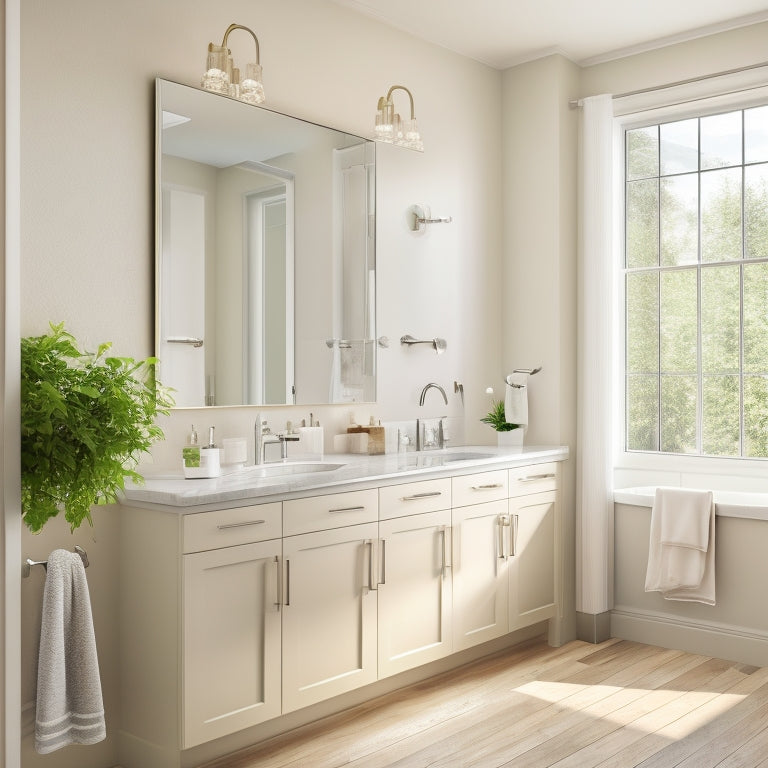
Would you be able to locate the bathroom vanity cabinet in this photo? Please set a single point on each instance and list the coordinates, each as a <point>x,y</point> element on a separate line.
<point>415,587</point>
<point>505,527</point>
<point>241,615</point>
<point>329,601</point>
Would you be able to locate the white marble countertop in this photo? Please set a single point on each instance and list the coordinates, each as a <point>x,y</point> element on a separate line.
<point>170,490</point>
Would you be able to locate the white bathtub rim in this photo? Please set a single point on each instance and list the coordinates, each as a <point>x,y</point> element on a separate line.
<point>738,504</point>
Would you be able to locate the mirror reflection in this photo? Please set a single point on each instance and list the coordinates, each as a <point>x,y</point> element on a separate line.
<point>265,255</point>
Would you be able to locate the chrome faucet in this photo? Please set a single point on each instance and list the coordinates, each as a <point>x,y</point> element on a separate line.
<point>440,433</point>
<point>263,437</point>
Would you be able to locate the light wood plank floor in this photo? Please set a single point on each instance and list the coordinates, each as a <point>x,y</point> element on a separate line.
<point>614,705</point>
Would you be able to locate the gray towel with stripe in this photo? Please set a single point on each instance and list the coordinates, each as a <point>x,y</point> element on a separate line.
<point>70,708</point>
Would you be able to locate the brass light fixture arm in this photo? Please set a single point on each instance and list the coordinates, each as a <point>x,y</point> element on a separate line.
<point>384,100</point>
<point>232,27</point>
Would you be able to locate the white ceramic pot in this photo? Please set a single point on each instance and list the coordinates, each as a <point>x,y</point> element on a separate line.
<point>510,439</point>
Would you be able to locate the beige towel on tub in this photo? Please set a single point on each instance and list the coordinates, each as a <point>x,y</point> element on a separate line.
<point>70,709</point>
<point>681,552</point>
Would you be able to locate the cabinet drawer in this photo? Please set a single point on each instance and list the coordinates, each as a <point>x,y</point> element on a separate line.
<point>320,513</point>
<point>414,498</point>
<point>532,479</point>
<point>229,527</point>
<point>475,489</point>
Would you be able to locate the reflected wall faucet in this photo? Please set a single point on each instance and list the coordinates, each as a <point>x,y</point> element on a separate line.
<point>430,386</point>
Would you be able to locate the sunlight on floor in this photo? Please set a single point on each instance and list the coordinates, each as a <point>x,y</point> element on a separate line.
<point>646,709</point>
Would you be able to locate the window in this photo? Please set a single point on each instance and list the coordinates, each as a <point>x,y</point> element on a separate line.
<point>696,285</point>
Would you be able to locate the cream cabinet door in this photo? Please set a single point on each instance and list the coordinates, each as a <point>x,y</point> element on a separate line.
<point>231,646</point>
<point>415,594</point>
<point>329,615</point>
<point>480,573</point>
<point>532,562</point>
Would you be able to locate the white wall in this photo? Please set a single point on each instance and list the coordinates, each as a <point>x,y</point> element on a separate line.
<point>87,212</point>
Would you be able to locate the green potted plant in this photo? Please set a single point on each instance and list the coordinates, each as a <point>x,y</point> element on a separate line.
<point>506,432</point>
<point>85,420</point>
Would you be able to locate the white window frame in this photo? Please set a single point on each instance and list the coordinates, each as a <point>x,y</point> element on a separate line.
<point>636,468</point>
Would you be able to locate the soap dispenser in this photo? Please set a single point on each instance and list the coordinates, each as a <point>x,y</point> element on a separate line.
<point>190,455</point>
<point>210,456</point>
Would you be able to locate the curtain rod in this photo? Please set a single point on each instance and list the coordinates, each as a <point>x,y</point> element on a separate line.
<point>574,103</point>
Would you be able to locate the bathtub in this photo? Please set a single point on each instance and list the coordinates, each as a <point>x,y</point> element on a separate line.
<point>736,627</point>
<point>753,506</point>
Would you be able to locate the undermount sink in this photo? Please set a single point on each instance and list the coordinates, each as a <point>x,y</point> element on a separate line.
<point>466,456</point>
<point>289,468</point>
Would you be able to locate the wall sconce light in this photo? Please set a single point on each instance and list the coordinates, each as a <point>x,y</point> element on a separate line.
<point>221,76</point>
<point>391,128</point>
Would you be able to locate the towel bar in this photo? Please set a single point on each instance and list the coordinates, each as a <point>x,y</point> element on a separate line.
<point>27,564</point>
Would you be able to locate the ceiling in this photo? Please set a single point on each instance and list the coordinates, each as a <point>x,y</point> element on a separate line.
<point>503,33</point>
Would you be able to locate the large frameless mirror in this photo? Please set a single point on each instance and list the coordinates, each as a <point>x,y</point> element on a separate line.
<point>265,255</point>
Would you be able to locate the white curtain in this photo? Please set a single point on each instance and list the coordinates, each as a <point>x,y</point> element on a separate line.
<point>594,493</point>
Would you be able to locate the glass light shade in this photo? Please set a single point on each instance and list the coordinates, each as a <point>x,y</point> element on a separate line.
<point>216,77</point>
<point>412,137</point>
<point>397,129</point>
<point>251,88</point>
<point>234,86</point>
<point>383,130</point>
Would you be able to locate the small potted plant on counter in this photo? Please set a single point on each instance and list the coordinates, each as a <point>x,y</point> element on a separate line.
<point>507,434</point>
<point>85,420</point>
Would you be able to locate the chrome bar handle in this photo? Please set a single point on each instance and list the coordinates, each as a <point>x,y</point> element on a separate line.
<point>240,525</point>
<point>503,523</point>
<point>383,562</point>
<point>444,530</point>
<point>287,582</point>
<point>533,478</point>
<point>278,585</point>
<point>194,341</point>
<point>487,486</point>
<point>371,587</point>
<point>515,519</point>
<point>417,496</point>
<point>348,509</point>
<point>500,542</point>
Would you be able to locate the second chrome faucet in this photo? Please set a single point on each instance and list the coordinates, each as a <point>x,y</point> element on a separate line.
<point>440,441</point>
<point>263,437</point>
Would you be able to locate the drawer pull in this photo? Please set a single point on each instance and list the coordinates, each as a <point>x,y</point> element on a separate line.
<point>348,509</point>
<point>533,478</point>
<point>417,496</point>
<point>240,525</point>
<point>487,486</point>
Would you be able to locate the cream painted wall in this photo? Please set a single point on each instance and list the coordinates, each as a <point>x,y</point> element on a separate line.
<point>539,264</point>
<point>88,230</point>
<point>87,211</point>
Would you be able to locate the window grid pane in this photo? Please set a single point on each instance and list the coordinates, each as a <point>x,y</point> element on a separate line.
<point>696,286</point>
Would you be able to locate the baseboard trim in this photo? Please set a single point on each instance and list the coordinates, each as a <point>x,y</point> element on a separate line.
<point>724,641</point>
